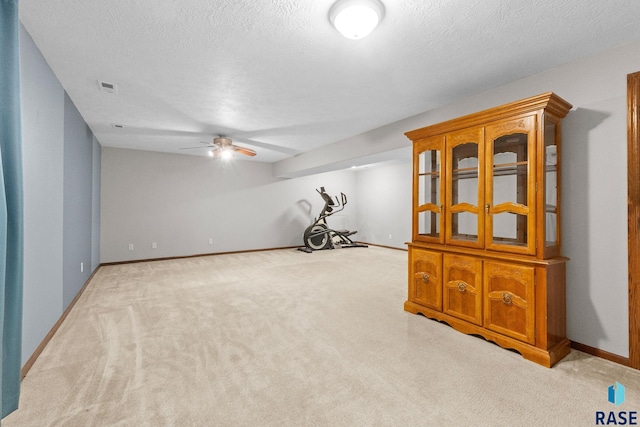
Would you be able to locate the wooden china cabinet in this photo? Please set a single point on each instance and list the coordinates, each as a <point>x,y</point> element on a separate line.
<point>485,251</point>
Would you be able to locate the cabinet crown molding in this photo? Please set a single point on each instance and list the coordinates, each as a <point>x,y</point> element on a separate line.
<point>549,101</point>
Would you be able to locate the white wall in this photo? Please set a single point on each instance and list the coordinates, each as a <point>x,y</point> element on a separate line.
<point>384,204</point>
<point>181,201</point>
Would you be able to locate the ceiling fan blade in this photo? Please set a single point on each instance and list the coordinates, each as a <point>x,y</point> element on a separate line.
<point>242,150</point>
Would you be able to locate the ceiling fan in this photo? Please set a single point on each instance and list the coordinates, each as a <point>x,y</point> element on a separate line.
<point>223,147</point>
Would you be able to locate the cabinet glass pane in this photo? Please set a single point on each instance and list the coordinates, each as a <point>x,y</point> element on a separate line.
<point>464,226</point>
<point>510,229</point>
<point>510,164</point>
<point>509,189</point>
<point>429,177</point>
<point>506,186</point>
<point>465,174</point>
<point>464,192</point>
<point>429,194</point>
<point>551,184</point>
<point>429,224</point>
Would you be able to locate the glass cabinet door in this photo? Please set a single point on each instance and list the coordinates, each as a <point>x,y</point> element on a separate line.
<point>465,188</point>
<point>428,190</point>
<point>510,185</point>
<point>551,195</point>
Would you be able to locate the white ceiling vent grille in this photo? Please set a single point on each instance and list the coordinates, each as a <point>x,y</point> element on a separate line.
<point>108,87</point>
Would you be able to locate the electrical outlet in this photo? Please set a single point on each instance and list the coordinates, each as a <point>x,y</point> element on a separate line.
<point>154,245</point>
<point>210,241</point>
<point>130,246</point>
<point>390,236</point>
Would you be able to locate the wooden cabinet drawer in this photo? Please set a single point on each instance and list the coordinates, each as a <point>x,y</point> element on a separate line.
<point>509,300</point>
<point>462,293</point>
<point>425,278</point>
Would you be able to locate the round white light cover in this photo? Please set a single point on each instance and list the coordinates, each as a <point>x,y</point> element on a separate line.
<point>355,19</point>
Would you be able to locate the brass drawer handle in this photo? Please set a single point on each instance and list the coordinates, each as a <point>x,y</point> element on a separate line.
<point>425,277</point>
<point>462,287</point>
<point>506,298</point>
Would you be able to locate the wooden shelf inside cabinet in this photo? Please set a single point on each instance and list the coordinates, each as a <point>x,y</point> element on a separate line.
<point>464,173</point>
<point>516,168</point>
<point>486,226</point>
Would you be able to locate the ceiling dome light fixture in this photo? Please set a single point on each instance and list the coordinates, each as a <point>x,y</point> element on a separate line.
<point>355,19</point>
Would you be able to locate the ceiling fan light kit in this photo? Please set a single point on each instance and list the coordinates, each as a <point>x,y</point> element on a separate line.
<point>355,19</point>
<point>226,153</point>
<point>224,148</point>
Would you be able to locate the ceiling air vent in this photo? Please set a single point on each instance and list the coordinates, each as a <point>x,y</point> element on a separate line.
<point>108,87</point>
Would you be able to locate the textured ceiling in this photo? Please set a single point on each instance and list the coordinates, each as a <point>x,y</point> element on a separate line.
<point>276,77</point>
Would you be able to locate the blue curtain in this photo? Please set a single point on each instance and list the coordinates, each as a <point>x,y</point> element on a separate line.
<point>11,207</point>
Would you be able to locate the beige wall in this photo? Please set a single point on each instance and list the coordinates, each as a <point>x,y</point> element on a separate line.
<point>181,201</point>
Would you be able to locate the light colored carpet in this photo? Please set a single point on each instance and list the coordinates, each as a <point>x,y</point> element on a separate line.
<point>284,338</point>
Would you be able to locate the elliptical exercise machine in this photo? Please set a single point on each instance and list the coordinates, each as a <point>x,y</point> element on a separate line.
<point>319,236</point>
